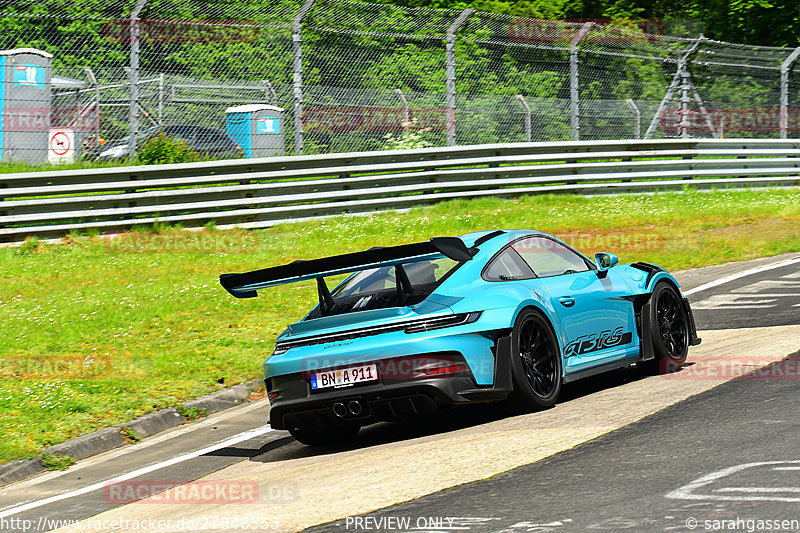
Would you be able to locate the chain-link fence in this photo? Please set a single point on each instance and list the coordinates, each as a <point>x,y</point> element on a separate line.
<point>265,77</point>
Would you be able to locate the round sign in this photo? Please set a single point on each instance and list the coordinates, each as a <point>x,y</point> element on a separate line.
<point>59,143</point>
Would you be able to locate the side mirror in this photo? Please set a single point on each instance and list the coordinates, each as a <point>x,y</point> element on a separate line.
<point>604,261</point>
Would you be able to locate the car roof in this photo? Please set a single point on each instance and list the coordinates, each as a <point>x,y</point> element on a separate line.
<point>508,235</point>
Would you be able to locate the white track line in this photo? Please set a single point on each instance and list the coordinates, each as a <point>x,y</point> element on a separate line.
<point>138,472</point>
<point>733,277</point>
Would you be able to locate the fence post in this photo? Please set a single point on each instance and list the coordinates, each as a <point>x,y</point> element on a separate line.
<point>684,129</point>
<point>450,84</point>
<point>637,128</point>
<point>96,118</point>
<point>297,74</point>
<point>133,73</point>
<point>574,88</point>
<point>676,80</point>
<point>269,92</point>
<point>525,105</point>
<point>406,110</point>
<point>786,67</point>
<point>161,99</point>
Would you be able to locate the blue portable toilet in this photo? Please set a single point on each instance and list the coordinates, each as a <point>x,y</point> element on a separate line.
<point>25,105</point>
<point>257,128</point>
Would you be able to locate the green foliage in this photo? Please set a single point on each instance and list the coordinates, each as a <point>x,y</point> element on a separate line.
<point>379,58</point>
<point>56,461</point>
<point>31,246</point>
<point>408,140</point>
<point>130,436</point>
<point>763,22</point>
<point>164,148</point>
<point>190,413</point>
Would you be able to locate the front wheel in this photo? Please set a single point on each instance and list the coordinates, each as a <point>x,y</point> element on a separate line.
<point>670,329</point>
<point>322,437</point>
<point>535,362</point>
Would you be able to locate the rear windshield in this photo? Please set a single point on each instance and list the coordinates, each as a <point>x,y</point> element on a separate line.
<point>377,288</point>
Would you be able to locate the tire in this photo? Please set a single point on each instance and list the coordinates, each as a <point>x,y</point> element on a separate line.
<point>535,362</point>
<point>669,329</point>
<point>320,437</point>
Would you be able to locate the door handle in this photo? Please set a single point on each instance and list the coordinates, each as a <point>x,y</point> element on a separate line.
<point>567,301</point>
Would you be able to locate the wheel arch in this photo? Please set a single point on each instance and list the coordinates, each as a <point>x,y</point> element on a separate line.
<point>665,277</point>
<point>548,316</point>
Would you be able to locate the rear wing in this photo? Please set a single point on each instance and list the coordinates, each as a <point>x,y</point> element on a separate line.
<point>247,284</point>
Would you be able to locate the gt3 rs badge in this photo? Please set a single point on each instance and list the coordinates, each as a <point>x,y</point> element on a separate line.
<point>597,341</point>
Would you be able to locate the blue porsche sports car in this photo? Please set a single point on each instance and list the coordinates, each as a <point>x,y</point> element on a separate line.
<point>493,315</point>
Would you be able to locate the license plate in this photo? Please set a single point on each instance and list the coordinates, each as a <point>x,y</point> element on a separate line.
<point>344,377</point>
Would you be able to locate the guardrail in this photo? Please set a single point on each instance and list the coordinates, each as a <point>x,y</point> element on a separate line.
<point>253,193</point>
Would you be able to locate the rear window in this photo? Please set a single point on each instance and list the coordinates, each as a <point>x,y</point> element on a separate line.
<point>377,288</point>
<point>507,266</point>
<point>384,278</point>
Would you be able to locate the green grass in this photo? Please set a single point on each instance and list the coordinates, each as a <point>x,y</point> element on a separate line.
<point>130,436</point>
<point>18,166</point>
<point>97,332</point>
<point>11,167</point>
<point>55,461</point>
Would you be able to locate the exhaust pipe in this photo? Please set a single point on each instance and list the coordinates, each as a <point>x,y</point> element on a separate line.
<point>355,407</point>
<point>339,410</point>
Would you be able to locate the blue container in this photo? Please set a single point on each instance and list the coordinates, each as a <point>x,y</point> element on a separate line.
<point>25,102</point>
<point>257,128</point>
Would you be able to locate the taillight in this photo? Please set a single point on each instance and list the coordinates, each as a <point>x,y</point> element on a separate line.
<point>443,322</point>
<point>445,370</point>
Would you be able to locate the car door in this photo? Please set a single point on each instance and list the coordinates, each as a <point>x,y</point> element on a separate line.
<point>595,311</point>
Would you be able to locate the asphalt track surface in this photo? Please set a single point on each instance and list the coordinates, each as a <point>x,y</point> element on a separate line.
<point>770,298</point>
<point>590,485</point>
<point>725,455</point>
<point>725,459</point>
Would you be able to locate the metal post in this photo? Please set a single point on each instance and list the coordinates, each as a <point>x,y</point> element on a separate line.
<point>96,119</point>
<point>269,93</point>
<point>161,99</point>
<point>406,110</point>
<point>527,117</point>
<point>574,87</point>
<point>638,114</point>
<point>297,74</point>
<point>786,67</point>
<point>450,84</point>
<point>684,128</point>
<point>704,111</point>
<point>676,80</point>
<point>133,73</point>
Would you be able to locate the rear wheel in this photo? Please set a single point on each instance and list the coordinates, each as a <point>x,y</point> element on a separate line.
<point>670,329</point>
<point>322,437</point>
<point>535,362</point>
